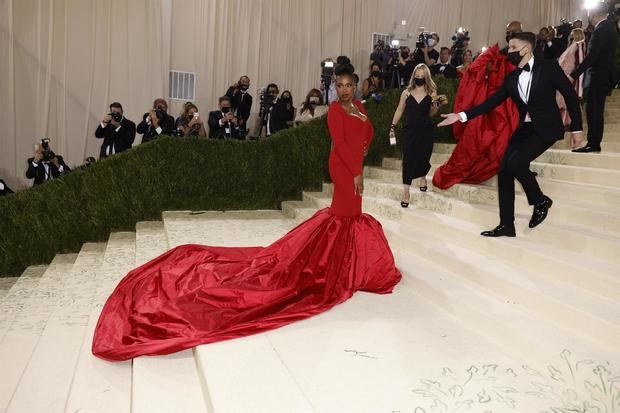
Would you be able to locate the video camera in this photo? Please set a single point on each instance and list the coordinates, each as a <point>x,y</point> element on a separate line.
<point>423,39</point>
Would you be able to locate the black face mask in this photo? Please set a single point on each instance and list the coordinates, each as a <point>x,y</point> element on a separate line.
<point>515,57</point>
<point>244,87</point>
<point>419,81</point>
<point>286,98</point>
<point>375,73</point>
<point>225,110</point>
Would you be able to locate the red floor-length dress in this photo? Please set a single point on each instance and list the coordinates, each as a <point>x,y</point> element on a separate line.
<point>197,294</point>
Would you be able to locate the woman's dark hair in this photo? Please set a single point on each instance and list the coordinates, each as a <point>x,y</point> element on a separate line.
<point>344,69</point>
<point>525,37</point>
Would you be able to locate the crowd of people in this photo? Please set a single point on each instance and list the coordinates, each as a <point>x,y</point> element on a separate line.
<point>390,67</point>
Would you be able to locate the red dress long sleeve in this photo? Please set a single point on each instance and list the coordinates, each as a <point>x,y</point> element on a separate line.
<point>198,294</point>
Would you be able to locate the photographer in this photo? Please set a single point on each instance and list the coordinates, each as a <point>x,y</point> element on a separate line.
<point>156,121</point>
<point>374,83</point>
<point>400,67</point>
<point>190,123</point>
<point>117,132</point>
<point>241,102</point>
<point>223,123</point>
<point>4,188</point>
<point>328,78</point>
<point>425,49</point>
<point>460,43</point>
<point>444,67</point>
<point>380,56</point>
<point>45,165</point>
<point>282,113</point>
<point>312,107</point>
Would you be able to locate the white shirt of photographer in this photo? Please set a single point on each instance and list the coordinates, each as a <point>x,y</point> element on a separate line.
<point>46,166</point>
<point>110,150</point>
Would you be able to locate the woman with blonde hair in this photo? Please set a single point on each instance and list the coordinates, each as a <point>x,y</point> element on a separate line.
<point>569,60</point>
<point>418,104</point>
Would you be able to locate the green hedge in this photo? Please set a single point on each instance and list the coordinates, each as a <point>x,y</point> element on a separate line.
<point>172,174</point>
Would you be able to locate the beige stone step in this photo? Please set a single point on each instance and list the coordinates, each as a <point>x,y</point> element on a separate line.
<point>46,380</point>
<point>13,301</point>
<point>162,384</point>
<point>101,386</point>
<point>5,285</point>
<point>23,334</point>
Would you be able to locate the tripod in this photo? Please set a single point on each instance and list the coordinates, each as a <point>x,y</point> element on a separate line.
<point>395,78</point>
<point>264,118</point>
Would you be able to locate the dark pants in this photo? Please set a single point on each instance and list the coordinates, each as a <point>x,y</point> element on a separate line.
<point>595,113</point>
<point>524,147</point>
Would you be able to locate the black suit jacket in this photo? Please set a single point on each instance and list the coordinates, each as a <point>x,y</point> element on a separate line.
<point>217,131</point>
<point>449,70</point>
<point>547,79</point>
<point>280,115</point>
<point>37,171</point>
<point>122,140</point>
<point>241,103</point>
<point>4,188</point>
<point>149,132</point>
<point>601,56</point>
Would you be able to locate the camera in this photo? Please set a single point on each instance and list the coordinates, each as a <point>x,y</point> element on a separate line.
<point>116,116</point>
<point>423,39</point>
<point>564,28</point>
<point>458,45</point>
<point>48,154</point>
<point>266,98</point>
<point>161,114</point>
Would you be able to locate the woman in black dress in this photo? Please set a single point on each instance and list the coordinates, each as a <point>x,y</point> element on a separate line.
<point>417,143</point>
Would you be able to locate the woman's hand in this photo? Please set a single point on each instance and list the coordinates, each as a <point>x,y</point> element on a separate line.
<point>358,182</point>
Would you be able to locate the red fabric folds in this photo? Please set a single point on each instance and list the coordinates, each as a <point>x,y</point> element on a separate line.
<point>197,294</point>
<point>481,142</point>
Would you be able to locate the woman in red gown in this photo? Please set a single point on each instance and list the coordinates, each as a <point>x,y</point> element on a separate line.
<point>196,294</point>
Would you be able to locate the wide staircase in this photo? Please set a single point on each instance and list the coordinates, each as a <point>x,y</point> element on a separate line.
<point>528,324</point>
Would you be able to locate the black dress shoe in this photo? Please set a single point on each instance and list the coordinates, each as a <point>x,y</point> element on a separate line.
<point>500,231</point>
<point>540,212</point>
<point>588,149</point>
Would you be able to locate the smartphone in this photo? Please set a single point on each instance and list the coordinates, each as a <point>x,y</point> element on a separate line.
<point>196,115</point>
<point>392,141</point>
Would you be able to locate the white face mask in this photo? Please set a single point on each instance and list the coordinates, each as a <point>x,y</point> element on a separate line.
<point>431,42</point>
<point>315,100</point>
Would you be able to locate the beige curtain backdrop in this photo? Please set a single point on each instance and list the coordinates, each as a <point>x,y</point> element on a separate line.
<point>63,61</point>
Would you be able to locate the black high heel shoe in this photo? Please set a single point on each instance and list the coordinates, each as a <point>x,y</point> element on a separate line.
<point>404,204</point>
<point>423,188</point>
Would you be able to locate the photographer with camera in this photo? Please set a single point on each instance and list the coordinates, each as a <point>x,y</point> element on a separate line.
<point>156,121</point>
<point>400,67</point>
<point>374,83</point>
<point>444,67</point>
<point>380,56</point>
<point>425,49</point>
<point>117,132</point>
<point>328,81</point>
<point>241,101</point>
<point>45,165</point>
<point>4,188</point>
<point>223,123</point>
<point>282,113</point>
<point>460,43</point>
<point>190,123</point>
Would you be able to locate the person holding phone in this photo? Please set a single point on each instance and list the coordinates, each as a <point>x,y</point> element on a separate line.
<point>418,104</point>
<point>190,123</point>
<point>223,123</point>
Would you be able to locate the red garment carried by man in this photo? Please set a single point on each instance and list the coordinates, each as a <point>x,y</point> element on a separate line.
<point>481,143</point>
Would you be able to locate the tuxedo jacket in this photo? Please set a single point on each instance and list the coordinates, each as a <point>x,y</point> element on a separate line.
<point>4,188</point>
<point>241,103</point>
<point>121,140</point>
<point>553,51</point>
<point>547,79</point>
<point>37,171</point>
<point>601,56</point>
<point>449,70</point>
<point>149,132</point>
<point>217,131</point>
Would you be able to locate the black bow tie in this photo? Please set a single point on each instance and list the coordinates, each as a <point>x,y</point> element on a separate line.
<point>526,68</point>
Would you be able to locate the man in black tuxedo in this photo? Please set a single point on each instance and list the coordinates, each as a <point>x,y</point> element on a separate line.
<point>600,63</point>
<point>532,86</point>
<point>4,188</point>
<point>223,123</point>
<point>117,132</point>
<point>443,66</point>
<point>45,165</point>
<point>156,121</point>
<point>241,101</point>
